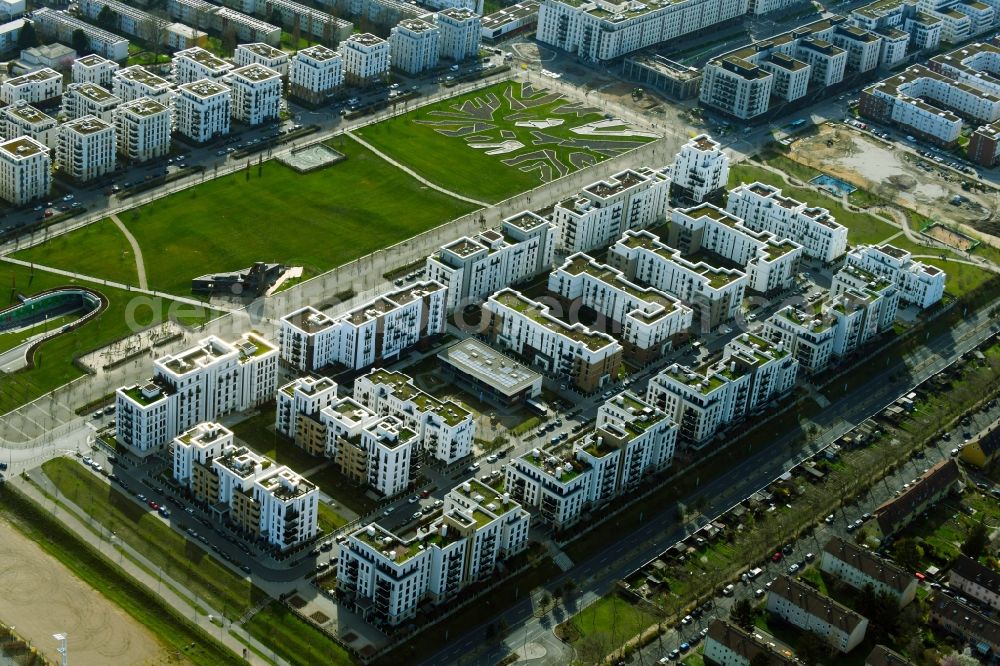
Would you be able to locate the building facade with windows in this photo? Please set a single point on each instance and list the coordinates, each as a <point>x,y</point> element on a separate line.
<point>25,170</point>
<point>203,110</point>
<point>143,127</point>
<point>87,148</point>
<point>315,73</point>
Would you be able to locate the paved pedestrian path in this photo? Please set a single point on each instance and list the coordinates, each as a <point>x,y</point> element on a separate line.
<point>140,266</point>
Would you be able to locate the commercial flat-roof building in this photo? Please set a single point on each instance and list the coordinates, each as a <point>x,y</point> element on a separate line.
<point>57,24</point>
<point>515,18</point>
<point>87,148</point>
<point>473,268</point>
<point>25,170</point>
<point>414,46</point>
<point>143,127</point>
<point>196,63</point>
<point>136,82</point>
<point>22,119</point>
<point>38,86</point>
<point>203,110</point>
<point>808,609</point>
<point>315,73</point>
<point>919,283</point>
<point>461,32</point>
<point>256,94</point>
<point>92,68</point>
<point>202,383</point>
<point>89,99</point>
<point>488,374</point>
<point>262,54</point>
<point>366,59</point>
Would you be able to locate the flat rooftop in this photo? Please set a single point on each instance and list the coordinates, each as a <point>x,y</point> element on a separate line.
<point>92,60</point>
<point>309,320</point>
<point>140,74</point>
<point>256,73</point>
<point>365,39</point>
<point>510,14</point>
<point>87,125</point>
<point>264,50</point>
<point>319,53</point>
<point>540,315</point>
<point>39,76</point>
<point>144,107</point>
<point>487,365</point>
<point>205,88</point>
<point>203,58</point>
<point>93,92</point>
<point>23,147</point>
<point>29,114</point>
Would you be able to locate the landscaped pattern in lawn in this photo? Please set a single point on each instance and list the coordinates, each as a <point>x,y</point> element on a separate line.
<point>519,135</point>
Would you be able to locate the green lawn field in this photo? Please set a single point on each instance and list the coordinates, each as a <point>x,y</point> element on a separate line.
<point>270,213</point>
<point>434,140</point>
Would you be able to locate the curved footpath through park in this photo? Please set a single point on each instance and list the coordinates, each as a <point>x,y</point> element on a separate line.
<point>140,265</point>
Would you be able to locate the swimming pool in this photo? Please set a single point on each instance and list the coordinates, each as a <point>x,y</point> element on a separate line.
<point>832,185</point>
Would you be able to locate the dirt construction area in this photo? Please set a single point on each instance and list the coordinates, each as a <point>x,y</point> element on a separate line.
<point>893,175</point>
<point>40,597</point>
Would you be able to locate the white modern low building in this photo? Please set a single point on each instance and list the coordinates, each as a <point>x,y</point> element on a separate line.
<point>262,54</point>
<point>377,331</point>
<point>414,46</point>
<point>89,99</point>
<point>38,86</point>
<point>92,68</point>
<point>256,94</point>
<point>22,119</point>
<point>630,199</point>
<point>700,169</point>
<point>919,283</point>
<point>143,127</point>
<point>315,73</point>
<point>203,110</point>
<point>136,82</point>
<point>473,268</point>
<point>461,32</point>
<point>366,59</point>
<point>202,383</point>
<point>196,63</point>
<point>806,608</point>
<point>763,208</point>
<point>25,170</point>
<point>87,148</point>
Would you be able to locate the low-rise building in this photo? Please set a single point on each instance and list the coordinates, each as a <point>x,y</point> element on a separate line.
<point>806,608</point>
<point>92,68</point>
<point>256,94</point>
<point>143,128</point>
<point>414,46</point>
<point>179,36</point>
<point>975,580</point>
<point>38,86</point>
<point>895,514</point>
<point>22,119</point>
<point>883,656</point>
<point>860,567</point>
<point>509,20</point>
<point>728,644</point>
<point>87,148</point>
<point>89,99</point>
<point>461,31</point>
<point>203,110</point>
<point>982,449</point>
<point>25,170</point>
<point>366,59</point>
<point>968,624</point>
<point>919,283</point>
<point>196,63</point>
<point>59,25</point>
<point>700,170</point>
<point>488,374</point>
<point>136,82</point>
<point>315,73</point>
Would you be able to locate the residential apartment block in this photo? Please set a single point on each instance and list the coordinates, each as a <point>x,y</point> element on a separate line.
<point>89,99</point>
<point>22,119</point>
<point>568,351</point>
<point>206,16</point>
<point>38,86</point>
<point>143,127</point>
<point>728,644</point>
<point>387,577</point>
<point>202,383</point>
<point>599,30</point>
<point>473,268</point>
<point>377,331</point>
<point>87,148</point>
<point>808,609</point>
<point>256,94</point>
<point>919,283</point>
<point>263,500</point>
<point>763,208</point>
<point>975,580</point>
<point>706,400</point>
<point>136,82</point>
<point>700,170</point>
<point>297,413</point>
<point>92,68</point>
<point>444,428</point>
<point>124,18</point>
<point>196,63</point>
<point>630,199</point>
<point>714,294</point>
<point>203,110</point>
<point>860,567</point>
<point>414,46</point>
<point>315,21</point>
<point>969,625</point>
<point>461,32</point>
<point>893,515</point>
<point>58,25</point>
<point>25,170</point>
<point>644,320</point>
<point>262,54</point>
<point>366,59</point>
<point>315,73</point>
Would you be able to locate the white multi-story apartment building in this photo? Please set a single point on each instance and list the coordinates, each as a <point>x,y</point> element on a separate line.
<point>385,577</point>
<point>25,170</point>
<point>445,429</point>
<point>472,5</point>
<point>875,295</point>
<point>94,69</point>
<point>366,59</point>
<point>860,567</point>
<point>60,26</point>
<point>600,30</point>
<point>303,398</point>
<point>196,63</point>
<point>770,264</point>
<point>555,482</point>
<point>203,110</point>
<point>806,608</point>
<point>136,82</point>
<point>763,208</point>
<point>202,383</point>
<point>315,73</point>
<point>256,94</point>
<point>630,199</point>
<point>143,128</point>
<point>414,46</point>
<point>919,283</point>
<point>192,452</point>
<point>377,331</point>
<point>569,351</point>
<point>741,88</point>
<point>87,148</point>
<point>973,64</point>
<point>461,32</point>
<point>714,294</point>
<point>708,399</point>
<point>89,99</point>
<point>22,119</point>
<point>34,87</point>
<point>700,169</point>
<point>262,54</point>
<point>809,336</point>
<point>645,320</point>
<point>392,454</point>
<point>473,268</point>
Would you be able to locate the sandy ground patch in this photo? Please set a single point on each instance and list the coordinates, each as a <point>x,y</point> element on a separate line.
<point>40,597</point>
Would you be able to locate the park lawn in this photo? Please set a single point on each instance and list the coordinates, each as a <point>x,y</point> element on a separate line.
<point>269,213</point>
<point>450,163</point>
<point>54,358</point>
<point>295,640</point>
<point>861,227</point>
<point>610,621</point>
<point>179,558</point>
<point>99,249</point>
